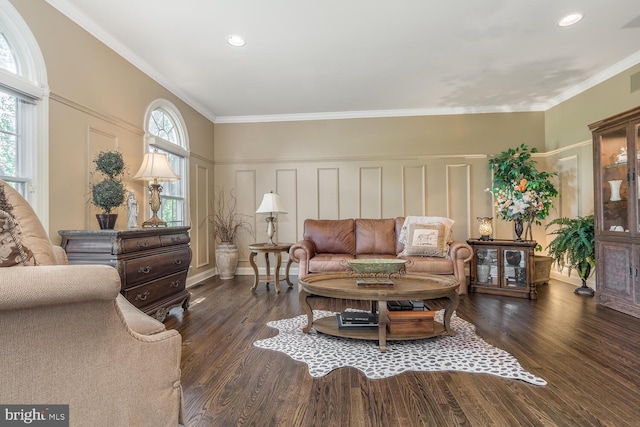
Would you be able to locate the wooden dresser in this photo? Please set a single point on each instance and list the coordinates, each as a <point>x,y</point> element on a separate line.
<point>153,262</point>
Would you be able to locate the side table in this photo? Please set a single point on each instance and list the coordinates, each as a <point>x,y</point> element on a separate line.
<point>265,248</point>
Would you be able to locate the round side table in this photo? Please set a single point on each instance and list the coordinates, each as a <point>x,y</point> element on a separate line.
<point>266,249</point>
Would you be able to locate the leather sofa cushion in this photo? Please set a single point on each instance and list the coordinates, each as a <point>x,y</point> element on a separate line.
<point>375,236</point>
<point>329,262</point>
<point>331,236</point>
<point>430,265</point>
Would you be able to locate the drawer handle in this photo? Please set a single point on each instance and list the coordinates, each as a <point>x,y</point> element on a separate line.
<point>144,270</point>
<point>175,284</point>
<point>143,244</point>
<point>142,297</point>
<point>177,261</point>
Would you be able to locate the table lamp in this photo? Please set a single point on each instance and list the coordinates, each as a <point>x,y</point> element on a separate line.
<point>271,205</point>
<point>155,166</point>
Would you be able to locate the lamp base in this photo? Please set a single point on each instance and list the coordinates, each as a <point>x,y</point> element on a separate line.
<point>154,221</point>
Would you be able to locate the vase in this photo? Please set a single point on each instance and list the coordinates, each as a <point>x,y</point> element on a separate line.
<point>226,260</point>
<point>615,190</point>
<point>513,257</point>
<point>518,228</point>
<point>483,273</point>
<point>107,221</point>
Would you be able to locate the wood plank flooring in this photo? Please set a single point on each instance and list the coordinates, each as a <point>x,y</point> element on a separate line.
<point>588,354</point>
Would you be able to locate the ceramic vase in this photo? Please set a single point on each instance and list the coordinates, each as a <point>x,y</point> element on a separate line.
<point>615,190</point>
<point>226,260</point>
<point>483,273</point>
<point>518,228</point>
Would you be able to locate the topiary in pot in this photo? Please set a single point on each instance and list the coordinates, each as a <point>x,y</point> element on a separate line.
<point>109,193</point>
<point>574,247</point>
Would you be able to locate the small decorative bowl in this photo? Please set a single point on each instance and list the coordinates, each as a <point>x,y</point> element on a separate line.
<point>376,266</point>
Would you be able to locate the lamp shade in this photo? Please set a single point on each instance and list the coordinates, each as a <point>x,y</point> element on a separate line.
<point>155,166</point>
<point>271,204</point>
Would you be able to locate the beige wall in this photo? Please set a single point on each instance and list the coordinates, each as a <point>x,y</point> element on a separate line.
<point>98,101</point>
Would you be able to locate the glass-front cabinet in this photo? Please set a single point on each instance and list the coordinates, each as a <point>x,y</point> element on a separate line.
<point>503,267</point>
<point>616,159</point>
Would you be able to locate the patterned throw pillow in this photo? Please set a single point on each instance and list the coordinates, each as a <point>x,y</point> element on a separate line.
<point>426,240</point>
<point>402,237</point>
<point>13,251</point>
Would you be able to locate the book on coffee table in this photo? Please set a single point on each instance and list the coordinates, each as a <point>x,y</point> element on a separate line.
<point>349,319</point>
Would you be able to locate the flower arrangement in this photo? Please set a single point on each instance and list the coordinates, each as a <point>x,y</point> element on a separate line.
<point>522,193</point>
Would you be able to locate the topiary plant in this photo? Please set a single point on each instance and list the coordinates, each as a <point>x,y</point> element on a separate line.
<point>109,193</point>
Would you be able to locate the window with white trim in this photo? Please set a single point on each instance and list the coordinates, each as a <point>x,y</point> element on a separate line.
<point>23,111</point>
<point>166,133</point>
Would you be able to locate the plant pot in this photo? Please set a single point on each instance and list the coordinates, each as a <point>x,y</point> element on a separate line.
<point>542,269</point>
<point>226,260</point>
<point>107,221</point>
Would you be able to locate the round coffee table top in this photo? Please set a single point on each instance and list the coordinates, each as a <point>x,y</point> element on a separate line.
<point>344,285</point>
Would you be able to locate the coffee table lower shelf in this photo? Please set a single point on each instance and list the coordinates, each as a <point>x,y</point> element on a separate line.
<point>329,326</point>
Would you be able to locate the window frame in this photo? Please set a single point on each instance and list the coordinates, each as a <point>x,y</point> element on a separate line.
<point>180,150</point>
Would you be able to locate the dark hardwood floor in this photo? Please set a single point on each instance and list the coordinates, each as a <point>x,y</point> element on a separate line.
<point>588,354</point>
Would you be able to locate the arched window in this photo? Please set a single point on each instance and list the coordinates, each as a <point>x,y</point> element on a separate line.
<point>24,153</point>
<point>167,133</point>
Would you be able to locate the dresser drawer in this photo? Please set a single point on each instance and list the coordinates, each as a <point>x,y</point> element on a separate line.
<point>137,244</point>
<point>175,239</point>
<point>144,269</point>
<point>143,295</point>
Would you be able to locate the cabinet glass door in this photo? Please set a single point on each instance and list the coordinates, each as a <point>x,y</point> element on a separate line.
<point>515,268</point>
<point>636,182</point>
<point>487,266</point>
<point>614,184</point>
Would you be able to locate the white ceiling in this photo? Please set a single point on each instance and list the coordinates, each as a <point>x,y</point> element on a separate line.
<point>309,59</point>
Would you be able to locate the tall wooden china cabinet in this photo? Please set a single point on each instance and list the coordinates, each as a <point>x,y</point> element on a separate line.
<point>616,157</point>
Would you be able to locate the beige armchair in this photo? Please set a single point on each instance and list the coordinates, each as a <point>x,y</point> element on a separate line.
<point>68,337</point>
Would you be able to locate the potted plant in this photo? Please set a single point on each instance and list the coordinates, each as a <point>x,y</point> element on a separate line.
<point>522,193</point>
<point>225,225</point>
<point>574,247</point>
<point>109,193</point>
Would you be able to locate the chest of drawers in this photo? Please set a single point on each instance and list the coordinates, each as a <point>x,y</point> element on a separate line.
<point>152,262</point>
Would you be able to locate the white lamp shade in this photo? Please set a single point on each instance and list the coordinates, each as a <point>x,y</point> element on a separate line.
<point>155,165</point>
<point>271,204</point>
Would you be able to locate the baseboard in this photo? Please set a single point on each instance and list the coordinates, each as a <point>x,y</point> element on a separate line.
<point>197,278</point>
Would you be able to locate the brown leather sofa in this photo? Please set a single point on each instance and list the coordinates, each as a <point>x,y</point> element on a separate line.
<point>327,243</point>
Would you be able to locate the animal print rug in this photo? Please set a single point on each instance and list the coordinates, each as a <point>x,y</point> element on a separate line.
<point>465,352</point>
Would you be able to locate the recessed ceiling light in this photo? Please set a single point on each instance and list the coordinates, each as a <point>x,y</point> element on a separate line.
<point>236,41</point>
<point>570,19</point>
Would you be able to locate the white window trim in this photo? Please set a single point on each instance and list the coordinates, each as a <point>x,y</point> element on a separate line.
<point>154,141</point>
<point>32,84</point>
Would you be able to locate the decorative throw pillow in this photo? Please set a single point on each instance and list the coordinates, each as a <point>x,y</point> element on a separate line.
<point>426,240</point>
<point>13,251</point>
<point>402,237</point>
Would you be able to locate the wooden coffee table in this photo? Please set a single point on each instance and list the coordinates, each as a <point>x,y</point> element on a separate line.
<point>409,287</point>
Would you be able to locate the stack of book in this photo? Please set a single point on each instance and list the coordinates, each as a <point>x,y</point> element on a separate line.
<point>405,305</point>
<point>411,322</point>
<point>357,320</point>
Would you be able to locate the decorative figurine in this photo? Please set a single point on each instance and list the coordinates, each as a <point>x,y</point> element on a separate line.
<point>132,210</point>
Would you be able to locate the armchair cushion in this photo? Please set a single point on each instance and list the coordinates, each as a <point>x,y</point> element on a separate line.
<point>13,249</point>
<point>34,235</point>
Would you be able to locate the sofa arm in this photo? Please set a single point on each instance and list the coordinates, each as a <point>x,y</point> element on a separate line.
<point>460,253</point>
<point>301,253</point>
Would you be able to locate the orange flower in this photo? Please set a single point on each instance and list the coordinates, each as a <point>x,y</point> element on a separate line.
<point>522,186</point>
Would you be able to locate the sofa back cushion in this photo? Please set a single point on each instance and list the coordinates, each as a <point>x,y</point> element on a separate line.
<point>375,236</point>
<point>333,236</point>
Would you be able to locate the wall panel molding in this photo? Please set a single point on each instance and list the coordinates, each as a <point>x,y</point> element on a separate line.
<point>370,192</point>
<point>328,193</point>
<point>202,240</point>
<point>414,190</point>
<point>458,195</point>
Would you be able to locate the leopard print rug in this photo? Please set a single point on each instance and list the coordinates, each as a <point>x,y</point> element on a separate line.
<point>465,352</point>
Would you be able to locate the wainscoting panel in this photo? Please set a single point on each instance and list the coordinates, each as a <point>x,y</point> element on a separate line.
<point>370,192</point>
<point>247,197</point>
<point>458,202</point>
<point>287,188</point>
<point>414,181</point>
<point>328,200</point>
<point>201,220</point>
<point>568,191</point>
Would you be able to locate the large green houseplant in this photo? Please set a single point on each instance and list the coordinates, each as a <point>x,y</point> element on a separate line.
<point>574,247</point>
<point>108,193</point>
